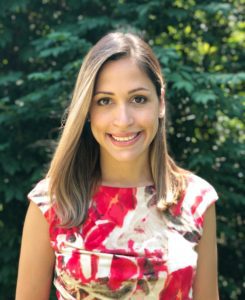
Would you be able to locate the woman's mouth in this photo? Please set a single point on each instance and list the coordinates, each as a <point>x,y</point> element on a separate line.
<point>124,138</point>
<point>127,139</point>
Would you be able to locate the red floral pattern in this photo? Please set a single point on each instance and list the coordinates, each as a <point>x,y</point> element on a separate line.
<point>127,249</point>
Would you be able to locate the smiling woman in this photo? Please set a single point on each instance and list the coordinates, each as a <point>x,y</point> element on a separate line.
<point>116,217</point>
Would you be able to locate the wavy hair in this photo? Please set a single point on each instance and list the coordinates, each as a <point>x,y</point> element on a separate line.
<point>74,171</point>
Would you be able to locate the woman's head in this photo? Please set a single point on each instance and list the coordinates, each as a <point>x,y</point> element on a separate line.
<point>111,48</point>
<point>75,168</point>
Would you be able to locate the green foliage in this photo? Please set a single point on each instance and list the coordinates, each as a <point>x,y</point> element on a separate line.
<point>200,48</point>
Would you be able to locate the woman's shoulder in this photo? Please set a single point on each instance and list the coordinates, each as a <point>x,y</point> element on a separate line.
<point>197,184</point>
<point>198,195</point>
<point>40,195</point>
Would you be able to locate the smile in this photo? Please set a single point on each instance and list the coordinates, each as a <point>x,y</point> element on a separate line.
<point>124,138</point>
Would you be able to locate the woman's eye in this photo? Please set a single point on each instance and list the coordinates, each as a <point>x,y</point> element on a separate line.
<point>139,99</point>
<point>104,101</point>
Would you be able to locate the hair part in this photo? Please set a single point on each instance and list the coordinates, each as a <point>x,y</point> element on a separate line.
<point>74,171</point>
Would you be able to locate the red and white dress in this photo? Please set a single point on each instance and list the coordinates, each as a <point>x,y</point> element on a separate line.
<point>127,248</point>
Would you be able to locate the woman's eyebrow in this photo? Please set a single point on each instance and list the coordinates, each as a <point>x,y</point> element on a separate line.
<point>103,92</point>
<point>138,89</point>
<point>130,92</point>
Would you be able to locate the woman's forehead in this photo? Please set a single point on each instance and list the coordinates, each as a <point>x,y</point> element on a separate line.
<point>122,71</point>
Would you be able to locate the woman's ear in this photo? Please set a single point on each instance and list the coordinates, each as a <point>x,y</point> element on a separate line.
<point>162,104</point>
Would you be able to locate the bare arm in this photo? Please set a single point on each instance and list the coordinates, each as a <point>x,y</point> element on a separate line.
<point>36,258</point>
<point>206,282</point>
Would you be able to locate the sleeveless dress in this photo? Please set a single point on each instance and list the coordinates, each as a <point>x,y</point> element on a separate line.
<point>127,248</point>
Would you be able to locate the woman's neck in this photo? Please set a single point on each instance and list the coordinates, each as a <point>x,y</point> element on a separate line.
<point>126,174</point>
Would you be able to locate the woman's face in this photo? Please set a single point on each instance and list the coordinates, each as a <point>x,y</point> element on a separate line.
<point>124,112</point>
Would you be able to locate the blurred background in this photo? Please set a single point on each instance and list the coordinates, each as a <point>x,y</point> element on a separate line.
<point>200,47</point>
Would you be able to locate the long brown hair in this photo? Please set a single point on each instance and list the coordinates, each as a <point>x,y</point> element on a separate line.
<point>75,168</point>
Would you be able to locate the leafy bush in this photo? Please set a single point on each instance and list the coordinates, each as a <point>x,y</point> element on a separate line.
<point>199,46</point>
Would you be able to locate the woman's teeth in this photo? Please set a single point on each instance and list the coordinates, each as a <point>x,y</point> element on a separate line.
<point>124,138</point>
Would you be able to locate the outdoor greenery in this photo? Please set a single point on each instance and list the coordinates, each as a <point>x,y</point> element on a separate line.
<point>199,44</point>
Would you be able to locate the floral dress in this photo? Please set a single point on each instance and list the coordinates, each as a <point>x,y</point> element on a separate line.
<point>127,248</point>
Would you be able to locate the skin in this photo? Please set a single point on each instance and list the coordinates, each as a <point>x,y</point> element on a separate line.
<point>119,108</point>
<point>36,258</point>
<point>206,283</point>
<point>125,105</point>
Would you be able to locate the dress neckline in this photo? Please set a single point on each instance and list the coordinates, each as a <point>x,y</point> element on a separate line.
<point>142,187</point>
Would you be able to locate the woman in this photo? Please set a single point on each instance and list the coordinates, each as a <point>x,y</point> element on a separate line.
<point>115,217</point>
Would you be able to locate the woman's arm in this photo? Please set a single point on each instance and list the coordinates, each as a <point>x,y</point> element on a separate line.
<point>36,258</point>
<point>206,282</point>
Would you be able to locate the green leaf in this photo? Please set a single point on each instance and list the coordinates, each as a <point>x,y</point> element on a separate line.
<point>44,76</point>
<point>203,96</point>
<point>184,85</point>
<point>10,77</point>
<point>213,8</point>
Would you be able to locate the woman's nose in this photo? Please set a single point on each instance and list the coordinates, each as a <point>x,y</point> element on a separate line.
<point>123,116</point>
